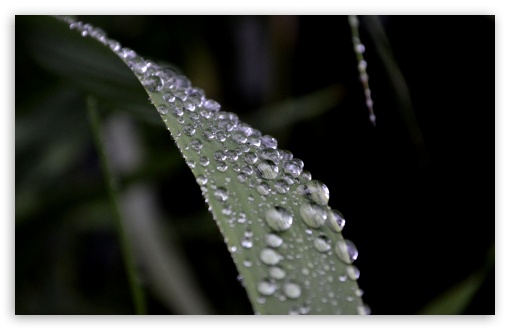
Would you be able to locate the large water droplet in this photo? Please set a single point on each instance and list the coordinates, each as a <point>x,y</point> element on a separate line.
<point>313,214</point>
<point>278,218</point>
<point>270,257</point>
<point>292,290</point>
<point>336,221</point>
<point>346,251</point>
<point>315,191</point>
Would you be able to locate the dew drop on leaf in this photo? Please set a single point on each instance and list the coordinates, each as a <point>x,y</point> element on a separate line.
<point>278,218</point>
<point>313,214</point>
<point>346,251</point>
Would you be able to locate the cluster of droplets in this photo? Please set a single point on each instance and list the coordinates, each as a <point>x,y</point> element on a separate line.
<point>243,154</point>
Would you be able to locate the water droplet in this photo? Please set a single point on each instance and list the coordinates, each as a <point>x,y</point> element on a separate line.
<point>239,137</point>
<point>278,218</point>
<point>346,251</point>
<point>169,97</point>
<point>336,221</point>
<point>189,130</point>
<point>176,110</point>
<point>162,109</point>
<point>270,257</point>
<point>201,180</point>
<point>242,178</point>
<point>263,189</point>
<point>247,263</point>
<point>359,292</point>
<point>212,105</point>
<point>321,244</point>
<point>363,309</point>
<point>267,170</point>
<point>251,157</point>
<point>271,154</point>
<point>292,290</point>
<point>315,191</point>
<point>204,161</point>
<point>221,194</point>
<point>277,273</point>
<point>281,187</point>
<point>266,288</point>
<point>153,83</point>
<point>268,142</point>
<point>313,214</point>
<point>342,278</point>
<point>221,166</point>
<point>293,166</point>
<point>220,155</point>
<point>196,144</point>
<point>246,243</point>
<point>305,176</point>
<point>233,248</point>
<point>209,134</point>
<point>352,272</point>
<point>273,240</point>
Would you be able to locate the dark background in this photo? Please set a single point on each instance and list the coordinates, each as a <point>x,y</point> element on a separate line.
<point>420,211</point>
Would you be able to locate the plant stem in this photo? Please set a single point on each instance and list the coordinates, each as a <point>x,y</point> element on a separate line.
<point>359,49</point>
<point>126,248</point>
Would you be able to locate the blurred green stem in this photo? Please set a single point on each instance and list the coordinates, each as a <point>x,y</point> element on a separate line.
<point>127,250</point>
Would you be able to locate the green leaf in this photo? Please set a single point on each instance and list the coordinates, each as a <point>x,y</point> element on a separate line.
<point>285,240</point>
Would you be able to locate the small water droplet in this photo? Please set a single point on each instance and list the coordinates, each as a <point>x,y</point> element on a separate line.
<point>196,144</point>
<point>246,243</point>
<point>277,273</point>
<point>247,263</point>
<point>270,257</point>
<point>162,109</point>
<point>363,309</point>
<point>352,272</point>
<point>266,288</point>
<point>212,105</point>
<point>321,244</point>
<point>263,189</point>
<point>313,214</point>
<point>273,240</point>
<point>278,218</point>
<point>293,166</point>
<point>359,292</point>
<point>281,187</point>
<point>221,194</point>
<point>267,170</point>
<point>346,251</point>
<point>342,278</point>
<point>315,191</point>
<point>221,166</point>
<point>189,130</point>
<point>271,154</point>
<point>201,180</point>
<point>204,161</point>
<point>153,83</point>
<point>292,290</point>
<point>268,142</point>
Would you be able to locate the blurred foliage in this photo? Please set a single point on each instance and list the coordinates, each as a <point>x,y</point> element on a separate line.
<point>285,75</point>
